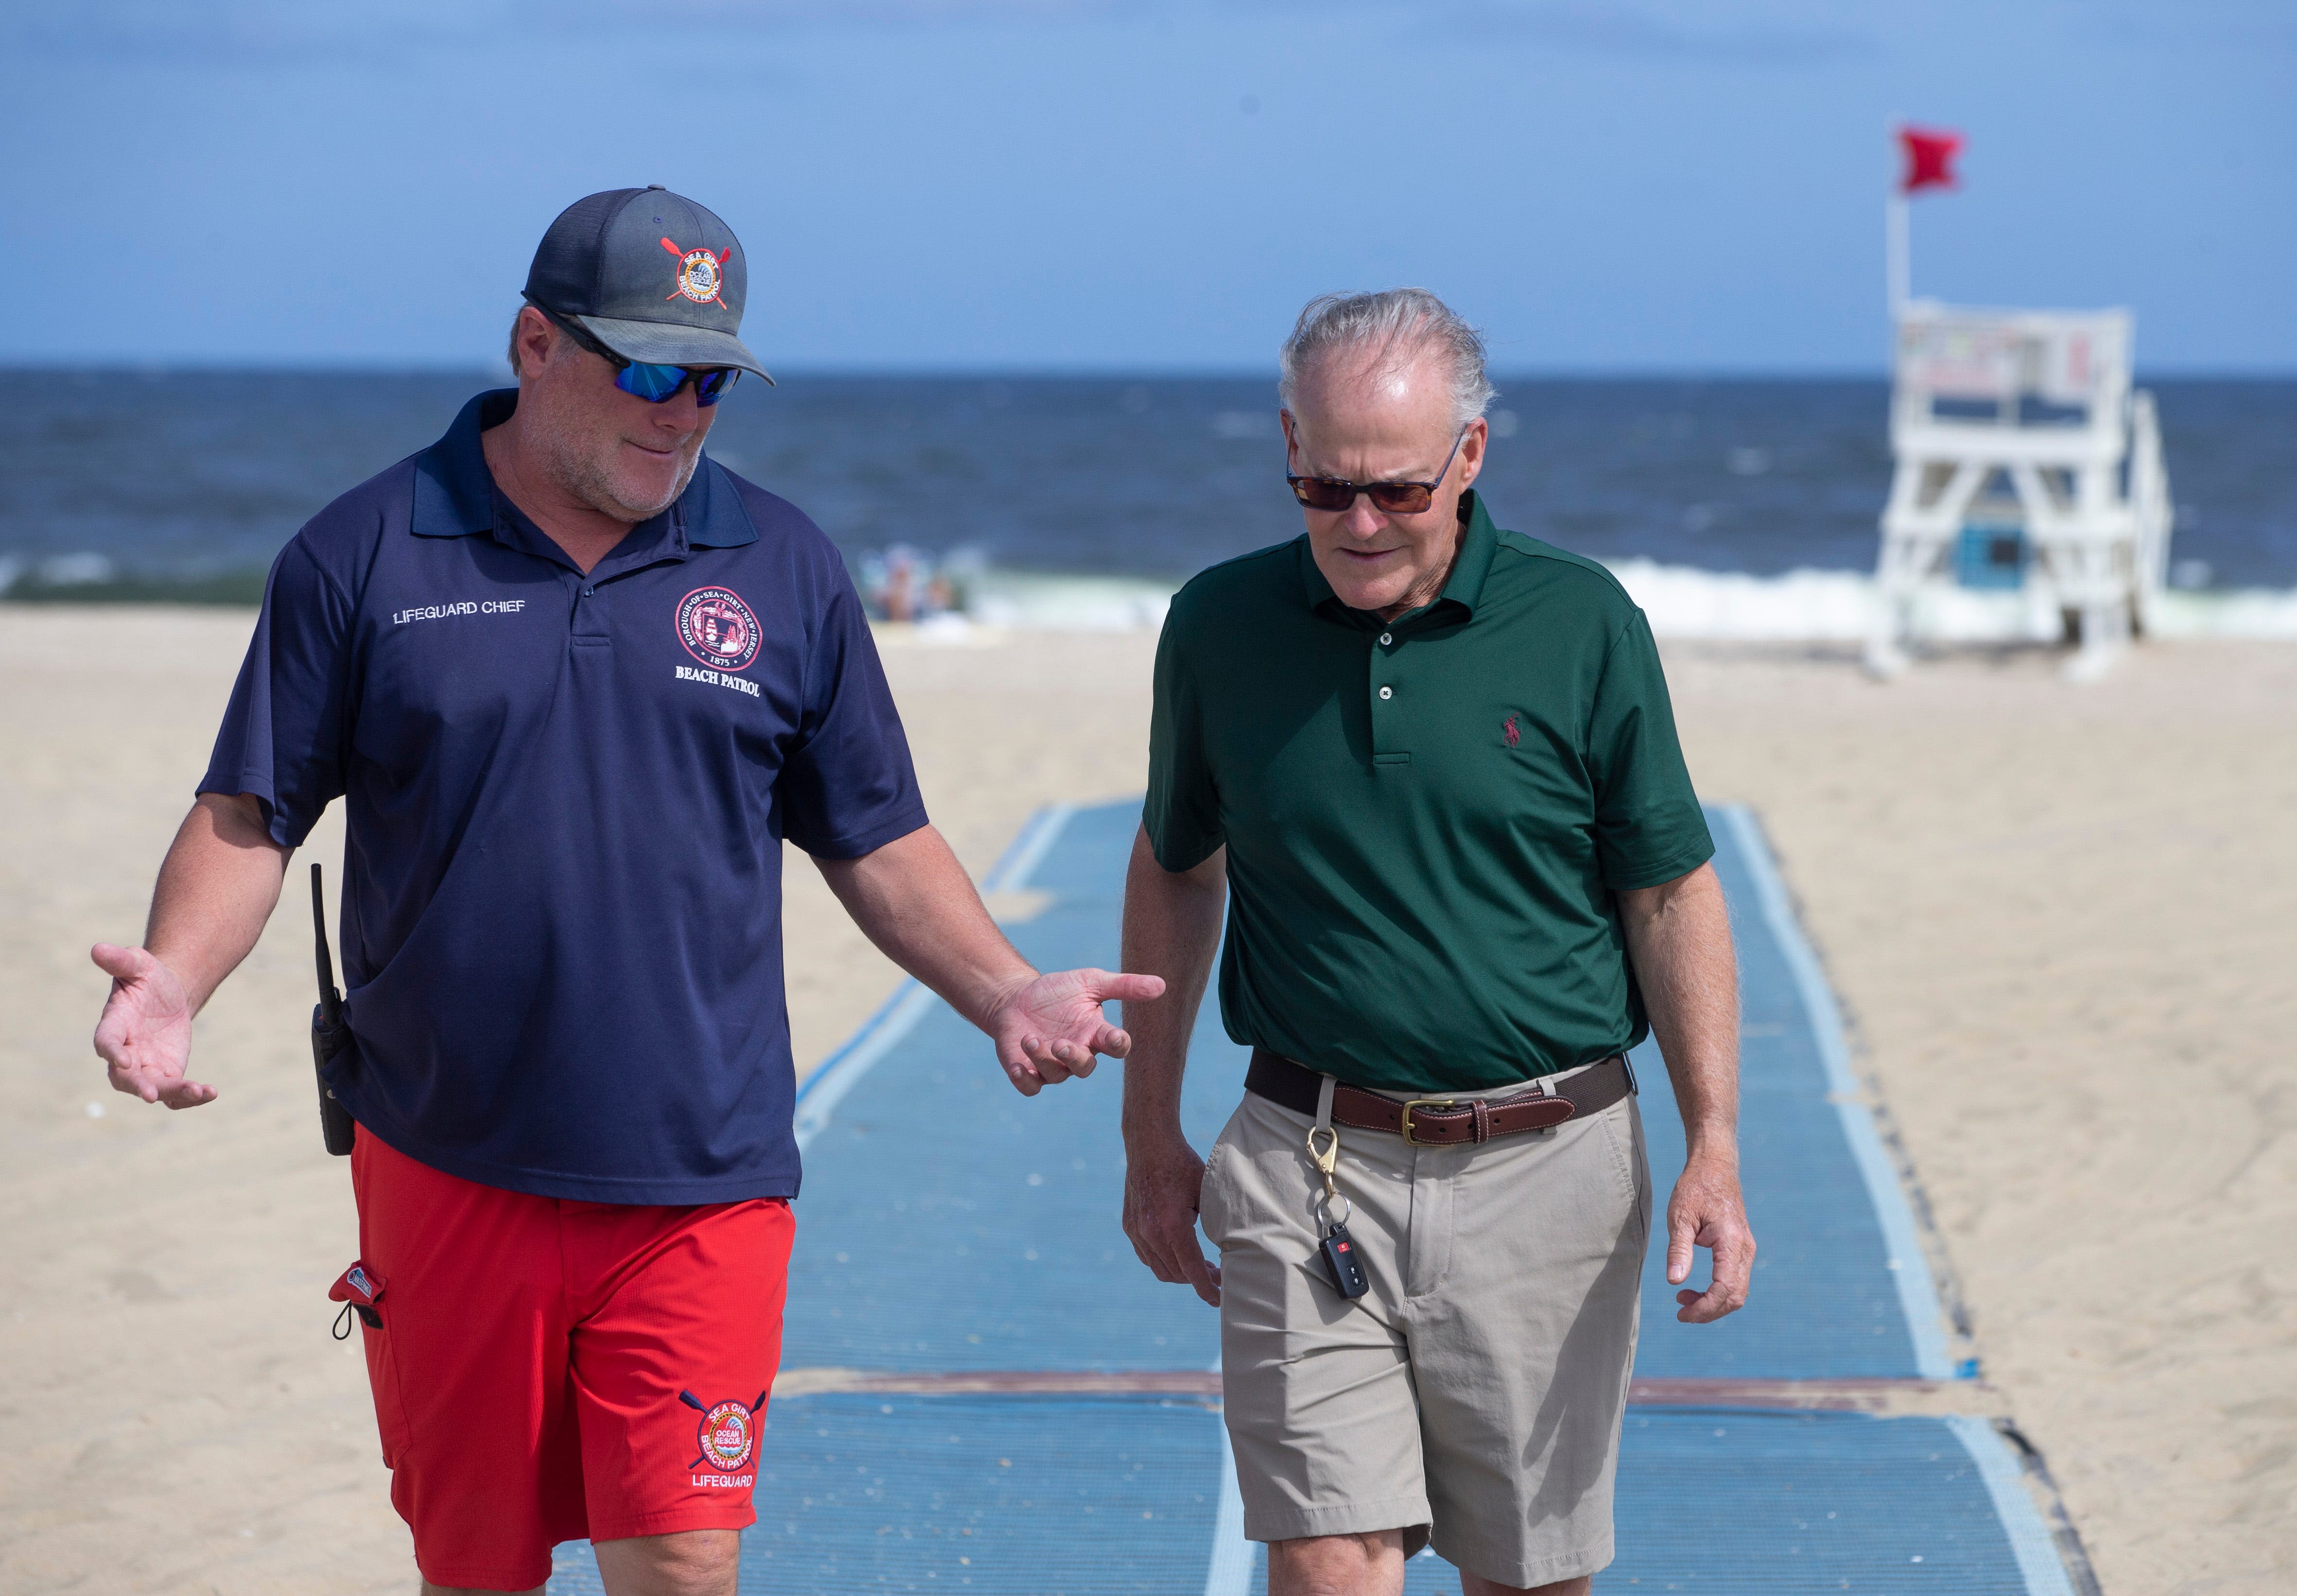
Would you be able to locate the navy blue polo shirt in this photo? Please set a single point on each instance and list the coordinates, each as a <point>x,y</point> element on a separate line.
<point>566,798</point>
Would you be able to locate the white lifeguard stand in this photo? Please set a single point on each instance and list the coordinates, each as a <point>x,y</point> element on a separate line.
<point>2024,461</point>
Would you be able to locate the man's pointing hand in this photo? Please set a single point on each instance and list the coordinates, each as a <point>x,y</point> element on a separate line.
<point>1049,1028</point>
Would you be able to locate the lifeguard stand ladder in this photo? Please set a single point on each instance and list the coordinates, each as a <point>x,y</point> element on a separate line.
<point>2023,462</point>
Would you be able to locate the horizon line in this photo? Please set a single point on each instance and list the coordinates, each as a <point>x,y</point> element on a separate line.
<point>496,372</point>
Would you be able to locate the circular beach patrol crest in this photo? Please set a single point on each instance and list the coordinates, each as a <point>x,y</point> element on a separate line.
<point>699,275</point>
<point>717,628</point>
<point>726,1435</point>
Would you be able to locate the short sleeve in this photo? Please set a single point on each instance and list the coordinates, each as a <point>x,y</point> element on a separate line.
<point>1183,814</point>
<point>848,787</point>
<point>285,734</point>
<point>1649,827</point>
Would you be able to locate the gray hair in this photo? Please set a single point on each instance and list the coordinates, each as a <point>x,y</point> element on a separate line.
<point>558,351</point>
<point>1395,326</point>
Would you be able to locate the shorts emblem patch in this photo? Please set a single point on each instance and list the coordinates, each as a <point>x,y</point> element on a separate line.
<point>727,1432</point>
<point>717,628</point>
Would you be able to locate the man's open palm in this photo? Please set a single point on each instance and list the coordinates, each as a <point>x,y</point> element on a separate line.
<point>144,1037</point>
<point>1052,1028</point>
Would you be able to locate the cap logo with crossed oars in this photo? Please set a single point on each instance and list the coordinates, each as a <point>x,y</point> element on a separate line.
<point>701,276</point>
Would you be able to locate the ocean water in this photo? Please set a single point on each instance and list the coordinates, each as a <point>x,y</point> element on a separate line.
<point>1742,508</point>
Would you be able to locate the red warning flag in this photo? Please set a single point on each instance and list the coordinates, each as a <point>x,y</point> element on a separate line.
<point>1929,159</point>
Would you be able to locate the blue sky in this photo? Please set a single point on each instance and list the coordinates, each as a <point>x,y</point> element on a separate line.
<point>1058,184</point>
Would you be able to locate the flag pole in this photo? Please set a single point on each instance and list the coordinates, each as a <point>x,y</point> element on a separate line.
<point>1900,268</point>
<point>1897,266</point>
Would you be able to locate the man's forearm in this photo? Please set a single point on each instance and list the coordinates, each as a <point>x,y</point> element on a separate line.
<point>217,889</point>
<point>914,900</point>
<point>1679,937</point>
<point>1171,928</point>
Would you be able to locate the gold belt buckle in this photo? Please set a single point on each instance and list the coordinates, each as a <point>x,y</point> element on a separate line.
<point>1423,1103</point>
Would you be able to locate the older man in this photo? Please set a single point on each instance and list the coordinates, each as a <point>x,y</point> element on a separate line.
<point>576,684</point>
<point>1431,768</point>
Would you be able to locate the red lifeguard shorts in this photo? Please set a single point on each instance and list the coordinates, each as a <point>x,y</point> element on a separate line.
<point>548,1370</point>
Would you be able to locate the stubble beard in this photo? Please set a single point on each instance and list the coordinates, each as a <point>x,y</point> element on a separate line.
<point>585,477</point>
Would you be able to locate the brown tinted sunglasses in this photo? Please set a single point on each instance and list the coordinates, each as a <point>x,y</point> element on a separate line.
<point>1398,499</point>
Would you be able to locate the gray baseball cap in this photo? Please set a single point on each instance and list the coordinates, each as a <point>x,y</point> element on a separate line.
<point>653,276</point>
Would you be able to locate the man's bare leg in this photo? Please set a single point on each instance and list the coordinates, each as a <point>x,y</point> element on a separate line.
<point>693,1562</point>
<point>1366,1565</point>
<point>1473,1585</point>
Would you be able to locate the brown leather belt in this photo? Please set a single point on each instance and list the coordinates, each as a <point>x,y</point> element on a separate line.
<point>1441,1122</point>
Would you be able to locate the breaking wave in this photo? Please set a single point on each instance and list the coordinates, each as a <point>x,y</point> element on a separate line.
<point>1683,602</point>
<point>1839,606</point>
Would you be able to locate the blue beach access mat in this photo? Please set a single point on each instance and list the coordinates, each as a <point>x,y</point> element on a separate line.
<point>983,1389</point>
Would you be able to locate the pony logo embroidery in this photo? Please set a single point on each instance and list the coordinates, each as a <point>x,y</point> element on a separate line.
<point>1508,730</point>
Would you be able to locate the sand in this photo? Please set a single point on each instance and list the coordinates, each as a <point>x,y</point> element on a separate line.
<point>2059,918</point>
<point>2062,922</point>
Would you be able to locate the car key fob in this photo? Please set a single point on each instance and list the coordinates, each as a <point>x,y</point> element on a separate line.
<point>1342,1265</point>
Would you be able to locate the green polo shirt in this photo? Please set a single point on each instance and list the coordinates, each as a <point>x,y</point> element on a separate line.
<point>1425,818</point>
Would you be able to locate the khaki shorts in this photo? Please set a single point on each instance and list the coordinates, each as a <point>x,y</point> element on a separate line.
<point>1473,1397</point>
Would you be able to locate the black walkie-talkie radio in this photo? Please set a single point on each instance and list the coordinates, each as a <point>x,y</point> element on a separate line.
<point>329,1034</point>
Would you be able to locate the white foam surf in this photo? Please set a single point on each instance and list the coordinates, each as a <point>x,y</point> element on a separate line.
<point>1023,601</point>
<point>1840,606</point>
<point>1685,602</point>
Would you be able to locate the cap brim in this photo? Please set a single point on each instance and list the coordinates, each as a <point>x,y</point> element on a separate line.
<point>671,343</point>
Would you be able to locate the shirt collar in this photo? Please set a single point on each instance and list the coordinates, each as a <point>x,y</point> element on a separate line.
<point>1463,589</point>
<point>456,495</point>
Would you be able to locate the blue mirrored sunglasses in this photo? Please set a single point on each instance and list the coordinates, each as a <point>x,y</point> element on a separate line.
<point>655,384</point>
